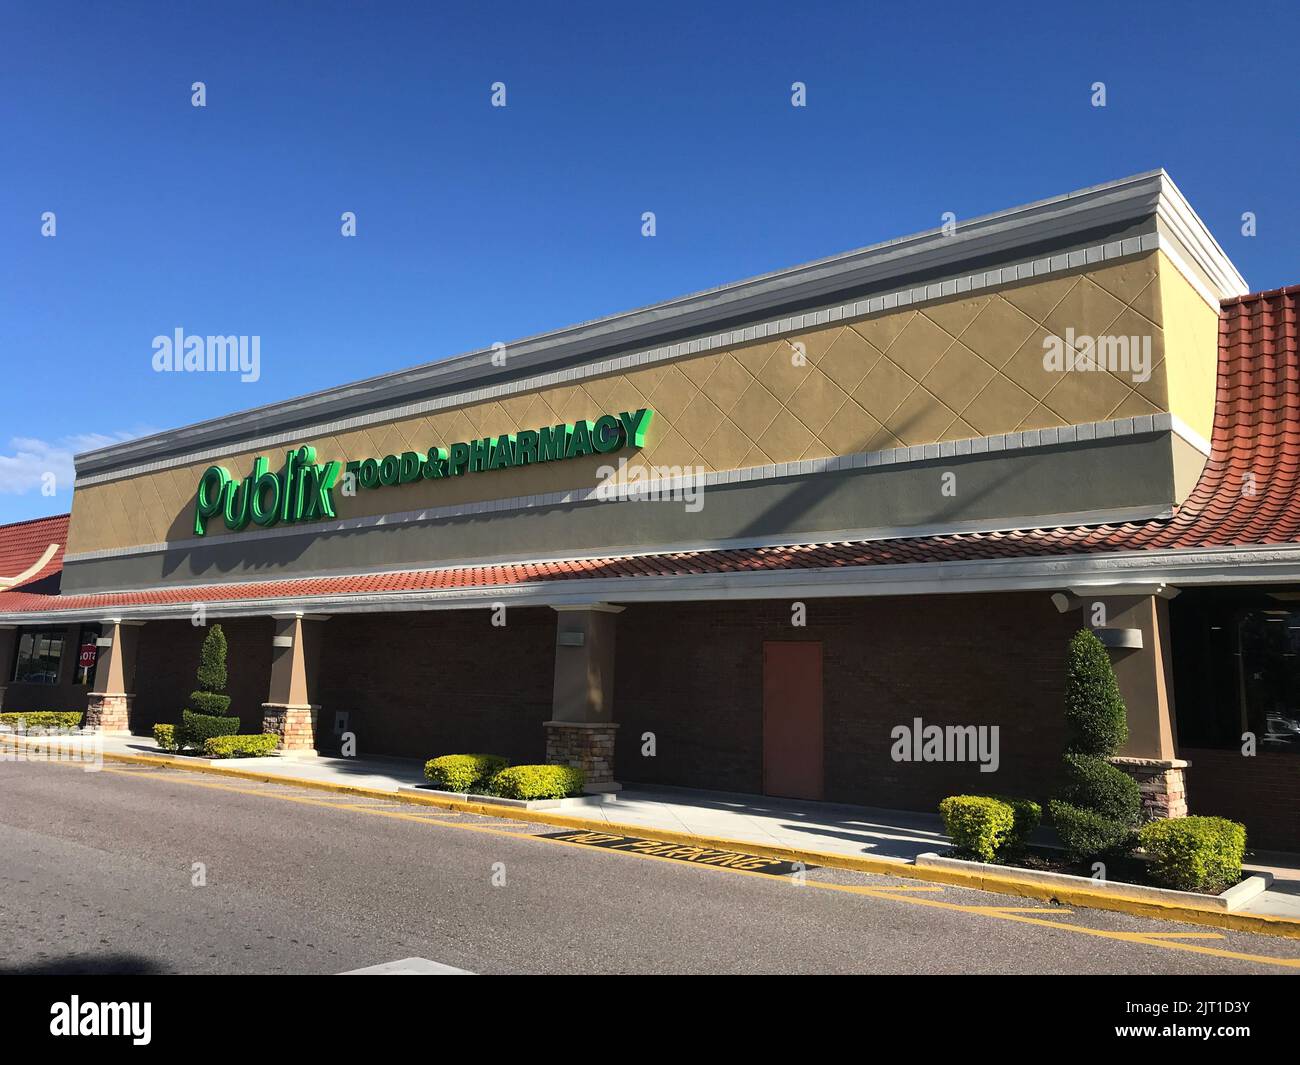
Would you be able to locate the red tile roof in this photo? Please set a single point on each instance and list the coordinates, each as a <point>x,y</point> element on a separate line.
<point>24,543</point>
<point>1244,496</point>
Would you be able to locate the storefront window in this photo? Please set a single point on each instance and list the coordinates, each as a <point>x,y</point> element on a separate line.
<point>87,655</point>
<point>1237,669</point>
<point>39,656</point>
<point>1270,674</point>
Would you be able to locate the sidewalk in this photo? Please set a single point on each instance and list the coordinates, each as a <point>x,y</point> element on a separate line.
<point>851,831</point>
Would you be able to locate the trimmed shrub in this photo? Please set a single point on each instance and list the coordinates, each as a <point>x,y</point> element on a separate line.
<point>210,698</point>
<point>213,704</point>
<point>165,737</point>
<point>1098,805</point>
<point>463,772</point>
<point>1092,783</point>
<point>259,745</point>
<point>1195,853</point>
<point>1096,718</point>
<point>43,719</point>
<point>979,825</point>
<point>538,782</point>
<point>1087,834</point>
<point>212,661</point>
<point>197,729</point>
<point>1028,816</point>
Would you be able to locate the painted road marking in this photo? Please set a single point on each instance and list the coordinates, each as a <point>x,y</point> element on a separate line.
<point>679,852</point>
<point>1149,939</point>
<point>409,967</point>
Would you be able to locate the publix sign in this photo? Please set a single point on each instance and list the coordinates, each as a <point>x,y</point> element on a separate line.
<point>302,489</point>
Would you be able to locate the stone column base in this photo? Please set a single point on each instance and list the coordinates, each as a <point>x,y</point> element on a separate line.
<point>585,745</point>
<point>295,724</point>
<point>108,711</point>
<point>1162,783</point>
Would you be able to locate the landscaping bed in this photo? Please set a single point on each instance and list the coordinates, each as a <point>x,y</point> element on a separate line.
<point>1106,845</point>
<point>490,778</point>
<point>1128,877</point>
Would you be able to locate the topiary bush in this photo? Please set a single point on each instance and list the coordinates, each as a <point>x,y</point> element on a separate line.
<point>259,745</point>
<point>979,825</point>
<point>210,697</point>
<point>463,772</point>
<point>1195,853</point>
<point>1098,805</point>
<point>1092,783</point>
<point>197,729</point>
<point>1096,719</point>
<point>537,782</point>
<point>1087,834</point>
<point>42,719</point>
<point>165,737</point>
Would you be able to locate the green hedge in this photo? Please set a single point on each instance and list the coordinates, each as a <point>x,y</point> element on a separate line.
<point>538,782</point>
<point>1094,784</point>
<point>1086,834</point>
<point>259,745</point>
<point>210,704</point>
<point>1028,816</point>
<point>43,719</point>
<point>165,737</point>
<point>1195,853</point>
<point>463,772</point>
<point>979,825</point>
<point>197,729</point>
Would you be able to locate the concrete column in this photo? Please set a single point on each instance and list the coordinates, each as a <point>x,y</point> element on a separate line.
<point>108,705</point>
<point>8,652</point>
<point>582,728</point>
<point>1136,631</point>
<point>289,711</point>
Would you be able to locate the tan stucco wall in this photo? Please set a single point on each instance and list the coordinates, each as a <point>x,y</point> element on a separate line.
<point>959,368</point>
<point>1191,350</point>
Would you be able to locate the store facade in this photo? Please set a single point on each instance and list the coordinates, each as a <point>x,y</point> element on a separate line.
<point>738,540</point>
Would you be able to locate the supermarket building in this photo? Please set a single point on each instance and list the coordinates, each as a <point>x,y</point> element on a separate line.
<point>736,540</point>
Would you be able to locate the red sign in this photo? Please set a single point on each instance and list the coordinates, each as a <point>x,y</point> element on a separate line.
<point>87,657</point>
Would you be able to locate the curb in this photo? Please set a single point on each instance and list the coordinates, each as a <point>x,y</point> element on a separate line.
<point>1001,884</point>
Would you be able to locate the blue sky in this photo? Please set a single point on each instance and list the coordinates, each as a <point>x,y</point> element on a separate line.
<point>479,224</point>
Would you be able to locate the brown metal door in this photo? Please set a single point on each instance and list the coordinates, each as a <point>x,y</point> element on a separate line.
<point>792,719</point>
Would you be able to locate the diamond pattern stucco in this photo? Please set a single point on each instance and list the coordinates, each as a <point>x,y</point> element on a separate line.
<point>962,367</point>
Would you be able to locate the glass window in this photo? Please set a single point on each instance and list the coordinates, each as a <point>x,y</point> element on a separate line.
<point>1237,668</point>
<point>87,655</point>
<point>39,655</point>
<point>1270,677</point>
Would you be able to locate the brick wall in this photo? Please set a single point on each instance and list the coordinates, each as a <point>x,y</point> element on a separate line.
<point>1262,792</point>
<point>692,674</point>
<point>441,682</point>
<point>167,658</point>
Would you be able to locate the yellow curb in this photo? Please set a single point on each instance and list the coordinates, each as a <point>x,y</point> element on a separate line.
<point>1285,927</point>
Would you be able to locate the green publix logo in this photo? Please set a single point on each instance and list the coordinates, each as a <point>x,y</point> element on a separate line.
<point>303,489</point>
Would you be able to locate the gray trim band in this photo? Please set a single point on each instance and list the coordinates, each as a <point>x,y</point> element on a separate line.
<point>1026,440</point>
